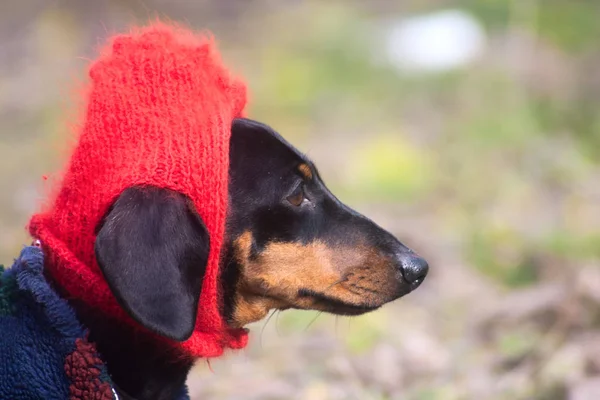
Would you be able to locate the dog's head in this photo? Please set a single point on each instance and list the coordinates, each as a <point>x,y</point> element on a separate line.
<point>290,243</point>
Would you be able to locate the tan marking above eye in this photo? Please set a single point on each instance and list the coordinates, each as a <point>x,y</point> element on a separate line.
<point>273,278</point>
<point>306,171</point>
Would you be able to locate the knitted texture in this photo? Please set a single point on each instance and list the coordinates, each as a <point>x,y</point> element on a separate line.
<point>159,112</point>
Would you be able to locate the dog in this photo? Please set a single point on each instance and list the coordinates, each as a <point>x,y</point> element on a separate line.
<point>176,223</point>
<point>289,244</point>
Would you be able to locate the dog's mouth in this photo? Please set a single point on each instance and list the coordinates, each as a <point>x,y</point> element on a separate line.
<point>323,302</point>
<point>336,306</point>
<point>253,305</point>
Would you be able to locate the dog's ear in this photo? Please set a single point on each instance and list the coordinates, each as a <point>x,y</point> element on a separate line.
<point>255,151</point>
<point>152,248</point>
<point>254,140</point>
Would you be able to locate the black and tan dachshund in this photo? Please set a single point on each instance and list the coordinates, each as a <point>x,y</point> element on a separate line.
<point>290,243</point>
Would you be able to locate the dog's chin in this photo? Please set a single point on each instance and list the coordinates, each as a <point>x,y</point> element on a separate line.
<point>254,308</point>
<point>354,307</point>
<point>337,307</point>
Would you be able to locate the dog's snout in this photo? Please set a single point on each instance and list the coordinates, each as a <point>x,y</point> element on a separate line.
<point>414,268</point>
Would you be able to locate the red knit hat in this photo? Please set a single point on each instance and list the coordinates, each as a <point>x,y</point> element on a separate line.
<point>159,112</point>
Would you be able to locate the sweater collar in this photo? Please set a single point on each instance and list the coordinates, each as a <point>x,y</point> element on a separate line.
<point>84,367</point>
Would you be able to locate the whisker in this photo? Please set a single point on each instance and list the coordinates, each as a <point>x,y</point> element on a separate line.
<point>264,326</point>
<point>277,323</point>
<point>334,284</point>
<point>313,320</point>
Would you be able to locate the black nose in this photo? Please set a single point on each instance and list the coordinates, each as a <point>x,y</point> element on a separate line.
<point>414,269</point>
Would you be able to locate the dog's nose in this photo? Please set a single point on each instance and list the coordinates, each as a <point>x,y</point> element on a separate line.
<point>414,269</point>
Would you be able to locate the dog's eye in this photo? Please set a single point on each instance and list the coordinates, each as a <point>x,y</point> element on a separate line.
<point>297,198</point>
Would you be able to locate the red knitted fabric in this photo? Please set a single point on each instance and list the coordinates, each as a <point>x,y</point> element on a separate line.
<point>159,112</point>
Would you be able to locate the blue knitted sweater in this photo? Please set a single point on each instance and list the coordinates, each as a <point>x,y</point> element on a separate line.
<point>44,351</point>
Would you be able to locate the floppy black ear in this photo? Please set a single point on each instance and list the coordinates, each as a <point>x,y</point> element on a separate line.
<point>152,248</point>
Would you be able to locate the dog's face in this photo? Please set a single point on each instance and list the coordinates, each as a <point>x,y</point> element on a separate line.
<point>290,243</point>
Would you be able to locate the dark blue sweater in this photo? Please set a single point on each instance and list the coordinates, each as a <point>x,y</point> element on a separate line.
<point>44,352</point>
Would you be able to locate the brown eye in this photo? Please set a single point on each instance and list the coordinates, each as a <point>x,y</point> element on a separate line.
<point>296,198</point>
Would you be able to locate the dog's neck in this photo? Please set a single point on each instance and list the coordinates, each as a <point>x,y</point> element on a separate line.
<point>139,366</point>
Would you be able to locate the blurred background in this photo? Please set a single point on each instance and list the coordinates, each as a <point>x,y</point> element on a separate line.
<point>468,128</point>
